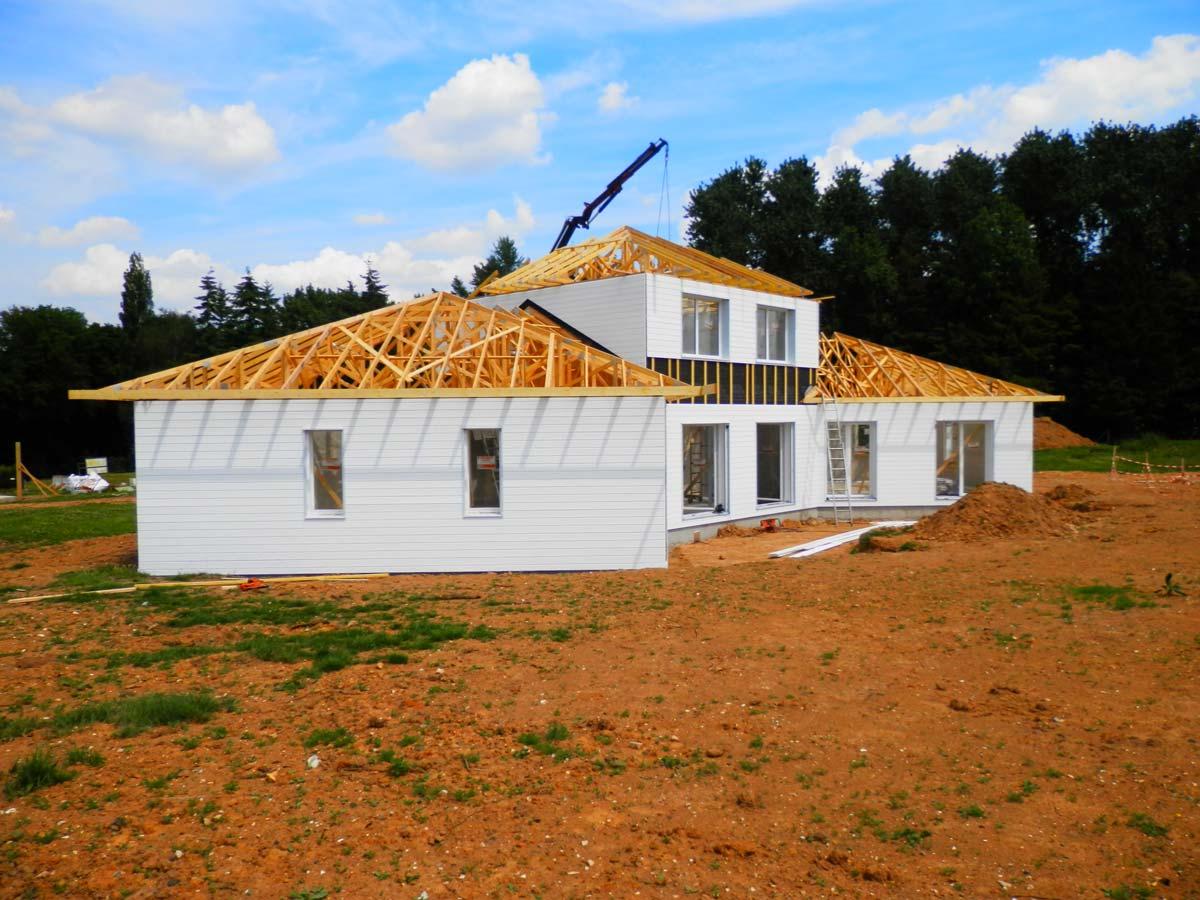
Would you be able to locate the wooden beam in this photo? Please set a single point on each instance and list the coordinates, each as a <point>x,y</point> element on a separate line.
<point>639,390</point>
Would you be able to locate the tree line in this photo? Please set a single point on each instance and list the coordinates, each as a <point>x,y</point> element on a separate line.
<point>1070,263</point>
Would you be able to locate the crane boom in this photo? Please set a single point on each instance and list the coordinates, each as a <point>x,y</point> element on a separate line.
<point>595,207</point>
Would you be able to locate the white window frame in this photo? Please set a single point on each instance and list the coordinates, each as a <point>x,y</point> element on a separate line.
<point>483,512</point>
<point>310,490</point>
<point>871,493</point>
<point>720,467</point>
<point>789,332</point>
<point>786,464</point>
<point>960,425</point>
<point>722,328</point>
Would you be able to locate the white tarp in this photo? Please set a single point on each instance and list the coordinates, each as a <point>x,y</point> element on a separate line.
<point>85,484</point>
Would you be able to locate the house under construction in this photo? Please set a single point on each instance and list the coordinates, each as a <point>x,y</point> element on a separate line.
<point>583,412</point>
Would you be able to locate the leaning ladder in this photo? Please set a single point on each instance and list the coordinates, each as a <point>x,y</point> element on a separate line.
<point>839,477</point>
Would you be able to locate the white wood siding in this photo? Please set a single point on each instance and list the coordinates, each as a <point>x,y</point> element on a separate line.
<point>664,320</point>
<point>611,311</point>
<point>221,486</point>
<point>905,452</point>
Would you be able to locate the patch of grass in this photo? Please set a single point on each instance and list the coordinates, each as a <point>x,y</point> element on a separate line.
<point>1117,597</point>
<point>1128,892</point>
<point>549,742</point>
<point>1099,458</point>
<point>974,811</point>
<point>33,526</point>
<point>16,727</point>
<point>398,766</point>
<point>84,756</point>
<point>133,715</point>
<point>328,737</point>
<point>164,656</point>
<point>99,578</point>
<point>33,773</point>
<point>1146,825</point>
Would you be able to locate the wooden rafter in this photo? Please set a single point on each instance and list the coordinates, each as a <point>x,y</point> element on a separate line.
<point>852,369</point>
<point>628,251</point>
<point>439,344</point>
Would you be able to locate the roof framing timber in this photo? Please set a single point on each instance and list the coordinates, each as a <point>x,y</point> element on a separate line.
<point>628,251</point>
<point>852,370</point>
<point>439,345</point>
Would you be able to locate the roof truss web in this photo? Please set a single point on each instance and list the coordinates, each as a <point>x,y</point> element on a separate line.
<point>628,251</point>
<point>854,369</point>
<point>440,343</point>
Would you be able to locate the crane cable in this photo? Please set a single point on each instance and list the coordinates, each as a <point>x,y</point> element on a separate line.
<point>664,192</point>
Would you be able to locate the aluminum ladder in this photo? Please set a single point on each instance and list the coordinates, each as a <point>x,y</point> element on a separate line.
<point>835,456</point>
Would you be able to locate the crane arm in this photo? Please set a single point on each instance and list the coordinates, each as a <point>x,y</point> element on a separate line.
<point>595,207</point>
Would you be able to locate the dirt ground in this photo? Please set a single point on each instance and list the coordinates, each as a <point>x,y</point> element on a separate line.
<point>1000,718</point>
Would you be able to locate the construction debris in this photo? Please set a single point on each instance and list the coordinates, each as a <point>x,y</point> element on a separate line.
<point>828,543</point>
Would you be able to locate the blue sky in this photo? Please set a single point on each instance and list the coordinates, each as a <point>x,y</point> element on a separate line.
<point>297,137</point>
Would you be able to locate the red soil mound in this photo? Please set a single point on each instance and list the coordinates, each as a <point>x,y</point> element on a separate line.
<point>995,510</point>
<point>1049,435</point>
<point>1074,496</point>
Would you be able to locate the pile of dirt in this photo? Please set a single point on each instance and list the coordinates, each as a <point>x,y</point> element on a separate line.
<point>1049,435</point>
<point>1076,497</point>
<point>995,510</point>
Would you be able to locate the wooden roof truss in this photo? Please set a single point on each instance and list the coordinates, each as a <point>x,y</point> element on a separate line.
<point>628,251</point>
<point>852,369</point>
<point>440,343</point>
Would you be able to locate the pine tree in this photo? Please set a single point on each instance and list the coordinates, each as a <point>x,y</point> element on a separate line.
<point>213,304</point>
<point>457,287</point>
<point>254,311</point>
<point>504,258</point>
<point>374,293</point>
<point>137,296</point>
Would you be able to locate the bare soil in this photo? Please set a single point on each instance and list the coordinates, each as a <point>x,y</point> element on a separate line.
<point>995,510</point>
<point>1050,435</point>
<point>962,720</point>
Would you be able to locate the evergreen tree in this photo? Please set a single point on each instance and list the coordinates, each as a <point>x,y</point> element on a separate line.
<point>504,258</point>
<point>725,215</point>
<point>254,311</point>
<point>457,287</point>
<point>137,296</point>
<point>374,293</point>
<point>212,304</point>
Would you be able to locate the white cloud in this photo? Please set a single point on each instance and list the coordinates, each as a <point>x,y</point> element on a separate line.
<point>99,274</point>
<point>615,97</point>
<point>1115,85</point>
<point>89,231</point>
<point>375,218</point>
<point>7,217</point>
<point>418,264</point>
<point>143,114</point>
<point>488,114</point>
<point>476,239</point>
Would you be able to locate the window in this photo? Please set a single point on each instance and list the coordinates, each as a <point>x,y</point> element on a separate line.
<point>704,469</point>
<point>857,438</point>
<point>962,457</point>
<point>483,471</point>
<point>325,474</point>
<point>774,333</point>
<point>774,463</point>
<point>701,327</point>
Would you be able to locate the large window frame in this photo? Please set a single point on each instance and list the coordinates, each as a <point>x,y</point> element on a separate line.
<point>962,457</point>
<point>324,473</point>
<point>705,470</point>
<point>774,463</point>
<point>773,330</point>
<point>858,447</point>
<point>483,473</point>
<point>703,325</point>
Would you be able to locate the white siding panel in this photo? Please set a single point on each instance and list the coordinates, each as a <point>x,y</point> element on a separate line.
<point>611,311</point>
<point>905,452</point>
<point>221,486</point>
<point>664,319</point>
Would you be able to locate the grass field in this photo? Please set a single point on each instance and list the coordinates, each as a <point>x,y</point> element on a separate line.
<point>31,526</point>
<point>1099,458</point>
